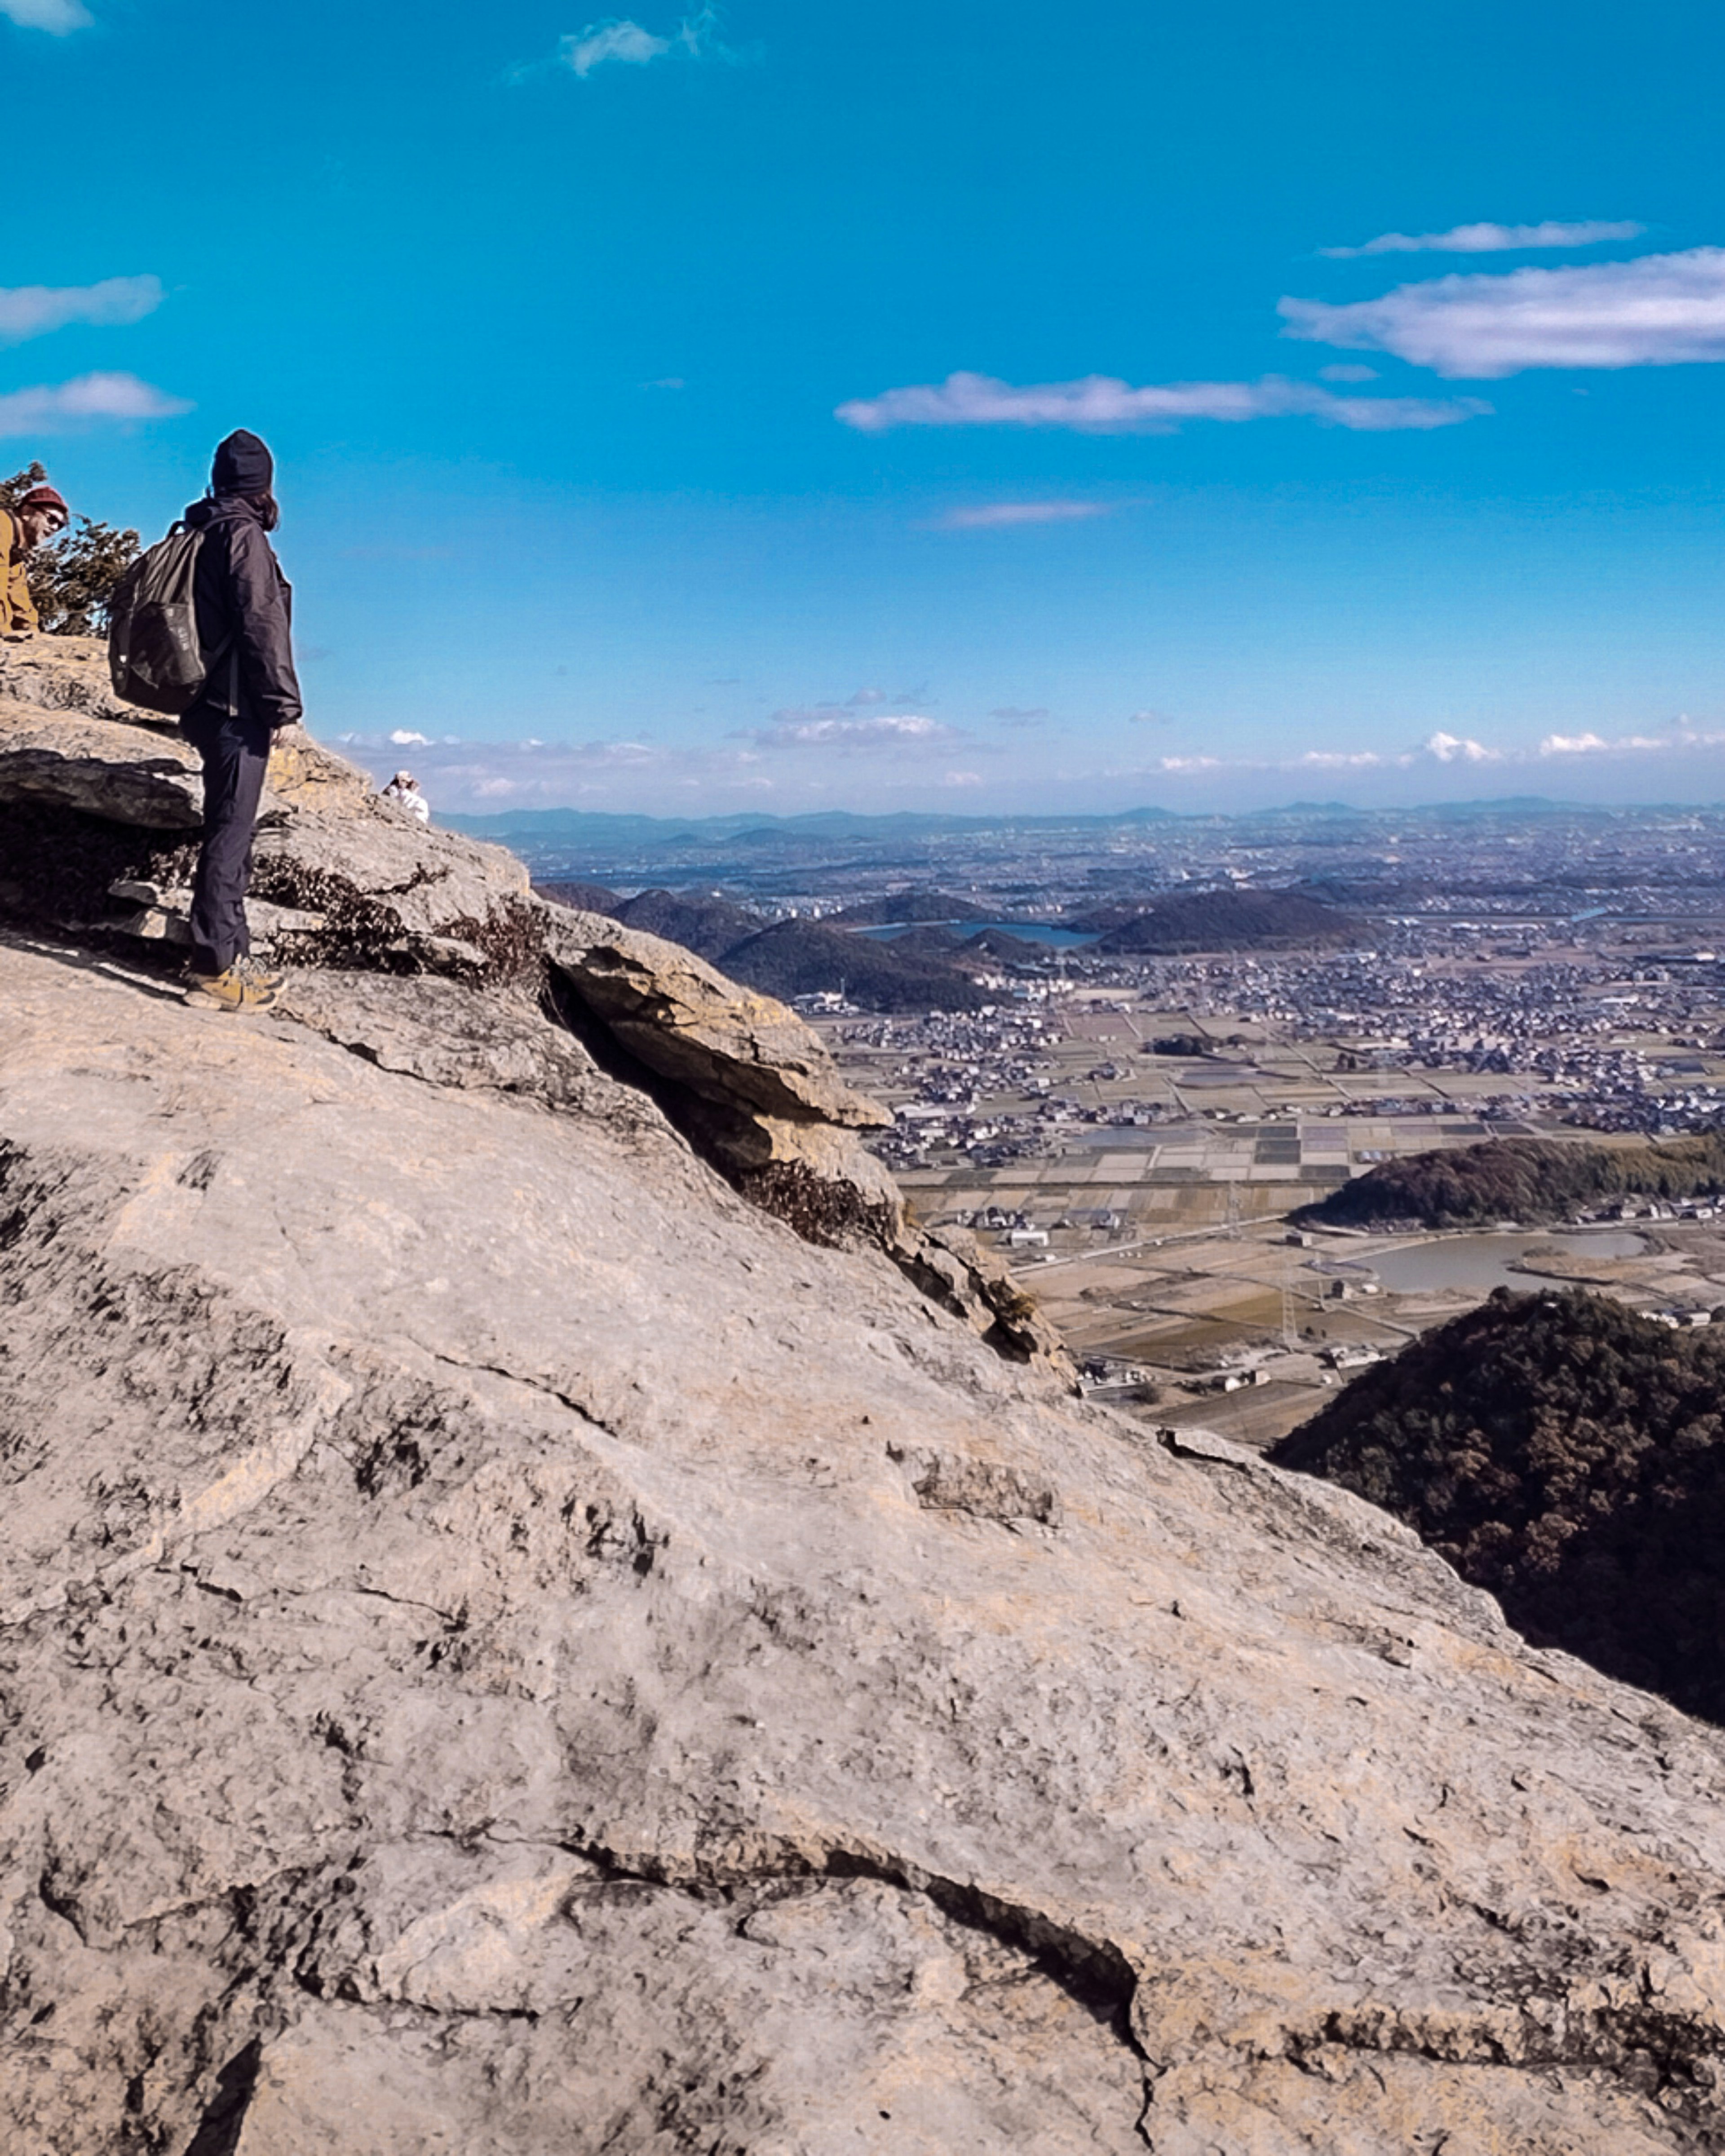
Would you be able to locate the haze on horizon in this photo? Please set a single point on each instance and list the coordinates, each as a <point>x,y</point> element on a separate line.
<point>943,409</point>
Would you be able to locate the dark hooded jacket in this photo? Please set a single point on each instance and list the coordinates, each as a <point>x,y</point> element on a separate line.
<point>243,600</point>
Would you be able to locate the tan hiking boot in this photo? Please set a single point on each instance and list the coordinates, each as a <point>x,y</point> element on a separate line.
<point>243,988</point>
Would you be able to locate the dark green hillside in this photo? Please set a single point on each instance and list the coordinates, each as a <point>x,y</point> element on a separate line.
<point>1530,1181</point>
<point>1231,921</point>
<point>803,957</point>
<point>704,921</point>
<point>1568,1455</point>
<point>584,897</point>
<point>925,905</point>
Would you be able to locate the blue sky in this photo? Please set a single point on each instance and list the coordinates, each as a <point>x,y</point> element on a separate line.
<point>945,405</point>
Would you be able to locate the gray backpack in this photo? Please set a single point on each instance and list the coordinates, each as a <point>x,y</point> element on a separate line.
<point>154,656</point>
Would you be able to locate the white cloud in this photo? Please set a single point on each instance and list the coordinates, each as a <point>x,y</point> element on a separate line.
<point>1455,751</point>
<point>616,38</point>
<point>31,310</point>
<point>991,515</point>
<point>1491,238</point>
<point>56,16</point>
<point>1661,310</point>
<point>1452,748</point>
<point>1150,719</point>
<point>404,737</point>
<point>823,728</point>
<point>1682,735</point>
<point>1099,404</point>
<point>866,697</point>
<point>64,407</point>
<point>600,41</point>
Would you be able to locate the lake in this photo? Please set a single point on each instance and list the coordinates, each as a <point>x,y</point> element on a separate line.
<point>1479,1263</point>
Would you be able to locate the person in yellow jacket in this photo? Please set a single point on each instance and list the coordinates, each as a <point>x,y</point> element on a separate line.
<point>36,517</point>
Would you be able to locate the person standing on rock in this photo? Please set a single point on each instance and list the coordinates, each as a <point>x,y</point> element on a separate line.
<point>243,606</point>
<point>35,516</point>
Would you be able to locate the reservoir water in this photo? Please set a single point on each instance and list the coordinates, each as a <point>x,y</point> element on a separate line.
<point>1477,1264</point>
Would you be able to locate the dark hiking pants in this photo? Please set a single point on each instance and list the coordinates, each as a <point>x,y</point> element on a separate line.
<point>235,753</point>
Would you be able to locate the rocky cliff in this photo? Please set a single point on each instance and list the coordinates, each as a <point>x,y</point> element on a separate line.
<point>509,1646</point>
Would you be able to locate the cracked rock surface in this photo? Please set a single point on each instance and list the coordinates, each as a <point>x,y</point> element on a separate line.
<point>505,1649</point>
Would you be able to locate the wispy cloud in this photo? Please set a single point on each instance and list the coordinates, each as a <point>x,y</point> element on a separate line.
<point>1150,719</point>
<point>991,516</point>
<point>584,50</point>
<point>617,38</point>
<point>821,727</point>
<point>1099,404</point>
<point>65,407</point>
<point>1492,238</point>
<point>1680,736</point>
<point>1014,715</point>
<point>57,17</point>
<point>1457,751</point>
<point>32,311</point>
<point>1659,310</point>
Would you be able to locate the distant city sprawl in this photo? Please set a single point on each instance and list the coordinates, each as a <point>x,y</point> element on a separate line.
<point>1126,1052</point>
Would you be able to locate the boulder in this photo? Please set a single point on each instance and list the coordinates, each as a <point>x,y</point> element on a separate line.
<point>688,1023</point>
<point>69,675</point>
<point>757,1090</point>
<point>506,1648</point>
<point>101,767</point>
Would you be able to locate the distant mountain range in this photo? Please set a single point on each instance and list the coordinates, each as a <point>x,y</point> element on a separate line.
<point>575,827</point>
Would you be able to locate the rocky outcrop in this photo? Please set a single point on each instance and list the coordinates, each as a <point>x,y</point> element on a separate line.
<point>759,1093</point>
<point>103,845</point>
<point>506,1648</point>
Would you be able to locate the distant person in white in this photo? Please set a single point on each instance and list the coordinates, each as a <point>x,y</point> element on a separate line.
<point>403,790</point>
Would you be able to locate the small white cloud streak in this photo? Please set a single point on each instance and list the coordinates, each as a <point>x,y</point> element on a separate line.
<point>600,41</point>
<point>993,515</point>
<point>1100,404</point>
<point>58,17</point>
<point>32,311</point>
<point>618,39</point>
<point>1659,310</point>
<point>822,729</point>
<point>1682,736</point>
<point>1493,238</point>
<point>1456,750</point>
<point>61,407</point>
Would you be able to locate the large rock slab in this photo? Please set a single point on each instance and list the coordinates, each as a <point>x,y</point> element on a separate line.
<point>99,766</point>
<point>68,675</point>
<point>505,1648</point>
<point>690,1024</point>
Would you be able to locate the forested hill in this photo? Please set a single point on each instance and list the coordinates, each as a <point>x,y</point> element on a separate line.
<point>1231,921</point>
<point>1568,1455</point>
<point>1530,1181</point>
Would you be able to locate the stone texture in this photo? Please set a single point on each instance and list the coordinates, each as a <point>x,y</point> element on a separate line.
<point>688,1023</point>
<point>757,1090</point>
<point>98,766</point>
<point>69,675</point>
<point>506,1649</point>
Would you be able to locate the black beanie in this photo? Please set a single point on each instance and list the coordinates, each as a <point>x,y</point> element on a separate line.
<point>242,465</point>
